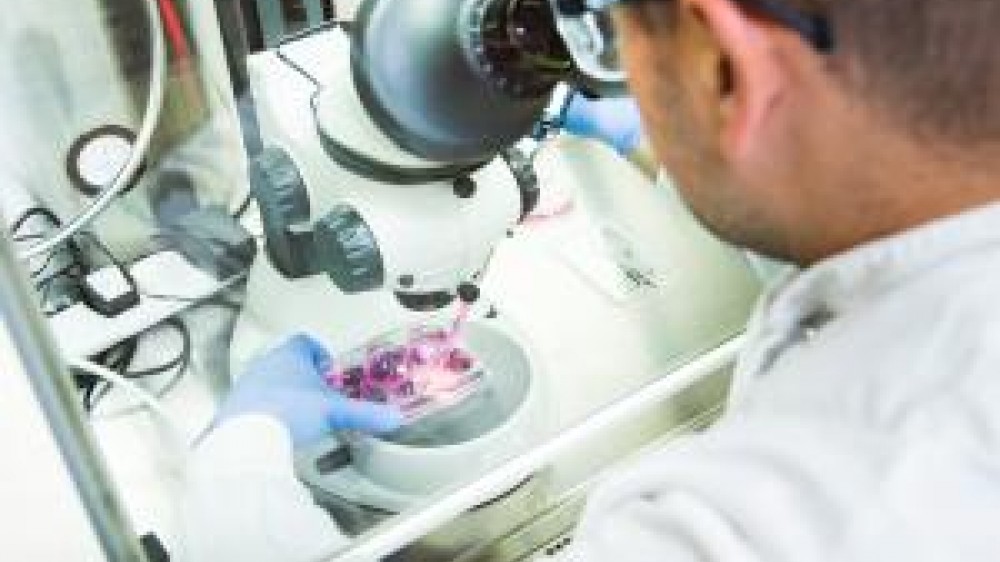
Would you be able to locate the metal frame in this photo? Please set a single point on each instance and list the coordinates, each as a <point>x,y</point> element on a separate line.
<point>57,398</point>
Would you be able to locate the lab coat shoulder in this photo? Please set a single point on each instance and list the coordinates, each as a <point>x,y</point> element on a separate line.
<point>864,432</point>
<point>865,427</point>
<point>739,494</point>
<point>794,489</point>
<point>913,358</point>
<point>241,486</point>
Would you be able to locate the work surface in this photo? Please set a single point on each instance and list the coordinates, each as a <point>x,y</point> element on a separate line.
<point>613,286</point>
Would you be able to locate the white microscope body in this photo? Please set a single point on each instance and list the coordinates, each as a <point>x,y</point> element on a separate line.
<point>426,239</point>
<point>362,238</point>
<point>365,237</point>
<point>387,176</point>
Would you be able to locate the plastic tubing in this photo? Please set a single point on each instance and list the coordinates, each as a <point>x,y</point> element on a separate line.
<point>148,400</point>
<point>154,106</point>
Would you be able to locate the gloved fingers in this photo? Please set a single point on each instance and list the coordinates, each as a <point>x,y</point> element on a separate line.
<point>298,362</point>
<point>577,116</point>
<point>312,350</point>
<point>614,121</point>
<point>366,417</point>
<point>624,131</point>
<point>304,413</point>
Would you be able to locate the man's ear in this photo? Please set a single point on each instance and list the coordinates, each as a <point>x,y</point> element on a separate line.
<point>744,76</point>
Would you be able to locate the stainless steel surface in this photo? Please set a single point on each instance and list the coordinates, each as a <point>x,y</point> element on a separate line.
<point>58,400</point>
<point>522,534</point>
<point>690,389</point>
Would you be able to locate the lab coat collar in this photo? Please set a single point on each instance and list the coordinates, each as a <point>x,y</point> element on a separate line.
<point>802,302</point>
<point>832,287</point>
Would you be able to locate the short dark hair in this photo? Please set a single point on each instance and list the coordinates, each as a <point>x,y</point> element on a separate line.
<point>933,66</point>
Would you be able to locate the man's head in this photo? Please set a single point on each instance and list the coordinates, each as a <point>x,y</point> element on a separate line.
<point>801,153</point>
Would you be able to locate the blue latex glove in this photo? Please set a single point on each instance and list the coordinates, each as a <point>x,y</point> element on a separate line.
<point>287,383</point>
<point>614,121</point>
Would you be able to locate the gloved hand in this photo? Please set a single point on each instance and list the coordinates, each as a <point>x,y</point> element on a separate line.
<point>287,383</point>
<point>614,121</point>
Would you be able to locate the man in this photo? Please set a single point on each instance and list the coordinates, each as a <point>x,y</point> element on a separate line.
<point>861,424</point>
<point>860,140</point>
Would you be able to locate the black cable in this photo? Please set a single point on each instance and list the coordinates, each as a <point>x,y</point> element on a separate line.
<point>29,238</point>
<point>90,237</point>
<point>181,366</point>
<point>179,362</point>
<point>47,214</point>
<point>88,396</point>
<point>72,271</point>
<point>71,274</point>
<point>103,248</point>
<point>45,265</point>
<point>244,206</point>
<point>320,27</point>
<point>121,356</point>
<point>128,350</point>
<point>215,301</point>
<point>118,358</point>
<point>298,68</point>
<point>45,293</point>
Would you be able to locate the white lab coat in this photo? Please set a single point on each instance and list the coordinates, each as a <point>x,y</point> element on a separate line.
<point>864,426</point>
<point>243,503</point>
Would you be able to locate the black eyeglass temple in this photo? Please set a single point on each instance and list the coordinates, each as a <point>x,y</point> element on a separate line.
<point>815,29</point>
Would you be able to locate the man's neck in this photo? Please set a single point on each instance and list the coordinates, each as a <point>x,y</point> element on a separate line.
<point>916,186</point>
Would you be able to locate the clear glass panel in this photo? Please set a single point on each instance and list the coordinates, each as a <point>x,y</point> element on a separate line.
<point>606,286</point>
<point>80,85</point>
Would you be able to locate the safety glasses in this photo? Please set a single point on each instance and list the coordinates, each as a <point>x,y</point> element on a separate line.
<point>587,30</point>
<point>813,28</point>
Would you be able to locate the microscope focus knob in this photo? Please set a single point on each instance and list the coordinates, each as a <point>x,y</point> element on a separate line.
<point>347,250</point>
<point>283,198</point>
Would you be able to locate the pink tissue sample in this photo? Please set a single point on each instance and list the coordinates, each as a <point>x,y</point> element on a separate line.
<point>429,372</point>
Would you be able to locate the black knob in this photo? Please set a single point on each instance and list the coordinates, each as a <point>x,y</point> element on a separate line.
<point>347,250</point>
<point>468,292</point>
<point>571,8</point>
<point>283,199</point>
<point>464,186</point>
<point>424,302</point>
